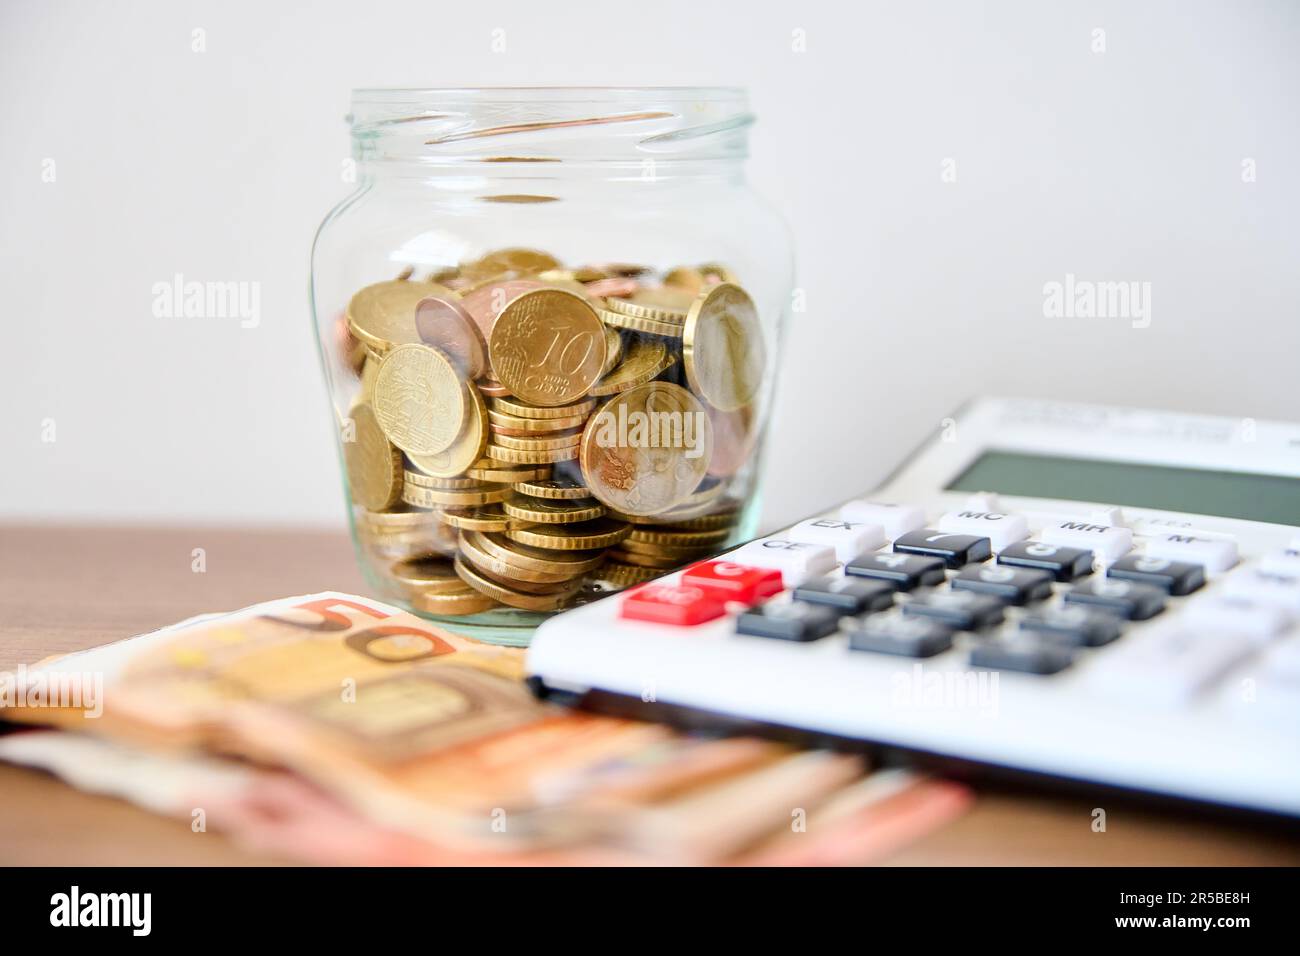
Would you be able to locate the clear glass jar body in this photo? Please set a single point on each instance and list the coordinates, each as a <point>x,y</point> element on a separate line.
<point>626,205</point>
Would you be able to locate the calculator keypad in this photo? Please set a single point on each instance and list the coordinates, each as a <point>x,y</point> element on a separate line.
<point>912,590</point>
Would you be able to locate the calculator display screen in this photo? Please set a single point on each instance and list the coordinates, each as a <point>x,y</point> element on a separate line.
<point>1228,494</point>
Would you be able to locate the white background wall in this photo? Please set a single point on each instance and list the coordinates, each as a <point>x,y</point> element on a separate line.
<point>1122,165</point>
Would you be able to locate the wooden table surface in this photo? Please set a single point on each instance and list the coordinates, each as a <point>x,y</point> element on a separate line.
<point>69,588</point>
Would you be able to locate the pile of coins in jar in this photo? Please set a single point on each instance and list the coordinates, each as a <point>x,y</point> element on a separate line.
<point>526,435</point>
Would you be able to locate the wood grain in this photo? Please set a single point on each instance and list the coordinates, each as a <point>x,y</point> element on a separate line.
<point>69,588</point>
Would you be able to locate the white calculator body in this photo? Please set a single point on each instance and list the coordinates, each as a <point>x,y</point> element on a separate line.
<point>1105,595</point>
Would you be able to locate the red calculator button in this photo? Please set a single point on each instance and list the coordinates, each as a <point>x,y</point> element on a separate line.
<point>734,582</point>
<point>672,604</point>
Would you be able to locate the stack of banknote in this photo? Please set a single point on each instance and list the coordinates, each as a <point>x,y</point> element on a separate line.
<point>334,729</point>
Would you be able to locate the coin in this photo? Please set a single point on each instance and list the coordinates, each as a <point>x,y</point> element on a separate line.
<point>645,560</point>
<point>552,511</point>
<point>437,497</point>
<point>505,595</point>
<point>493,388</point>
<point>562,488</point>
<point>534,456</point>
<point>507,261</point>
<point>419,400</point>
<point>524,410</point>
<point>474,551</point>
<point>383,315</point>
<point>661,305</point>
<point>543,442</point>
<point>722,519</point>
<point>680,539</point>
<point>599,533</point>
<point>722,347</point>
<point>513,424</point>
<point>671,330</point>
<point>373,465</point>
<point>528,557</point>
<point>468,447</point>
<point>485,469</point>
<point>432,575</point>
<point>624,575</point>
<point>548,347</point>
<point>468,601</point>
<point>645,360</point>
<point>483,518</point>
<point>431,481</point>
<point>486,301</point>
<point>442,322</point>
<point>734,439</point>
<point>647,449</point>
<point>394,522</point>
<point>612,287</point>
<point>613,351</point>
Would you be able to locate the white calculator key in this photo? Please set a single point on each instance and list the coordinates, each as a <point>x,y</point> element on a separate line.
<point>1107,542</point>
<point>1216,554</point>
<point>1284,658</point>
<point>1226,615</point>
<point>897,520</point>
<point>1251,584</point>
<point>1167,664</point>
<point>796,560</point>
<point>1282,563</point>
<point>1000,528</point>
<point>848,538</point>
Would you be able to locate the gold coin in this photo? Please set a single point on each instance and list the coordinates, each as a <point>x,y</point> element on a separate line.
<point>613,351</point>
<point>456,498</point>
<point>512,575</point>
<point>548,347</point>
<point>551,511</point>
<point>369,369</point>
<point>667,551</point>
<point>722,347</point>
<point>671,330</point>
<point>511,424</point>
<point>527,557</point>
<point>599,533</point>
<point>624,575</point>
<point>533,456</point>
<point>566,587</point>
<point>468,601</point>
<point>430,481</point>
<point>544,442</point>
<point>383,315</point>
<point>723,519</point>
<point>485,469</point>
<point>493,389</point>
<point>563,488</point>
<point>444,323</point>
<point>647,449</point>
<point>646,359</point>
<point>660,305</point>
<point>508,261</point>
<point>580,409</point>
<point>468,447</point>
<point>431,575</point>
<point>646,560</point>
<point>394,522</point>
<point>499,592</point>
<point>373,465</point>
<point>484,518</point>
<point>420,401</point>
<point>680,539</point>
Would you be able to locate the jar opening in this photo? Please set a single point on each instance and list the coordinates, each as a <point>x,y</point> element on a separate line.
<point>556,124</point>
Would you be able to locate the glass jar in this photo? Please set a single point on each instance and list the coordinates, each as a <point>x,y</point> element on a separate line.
<point>549,322</point>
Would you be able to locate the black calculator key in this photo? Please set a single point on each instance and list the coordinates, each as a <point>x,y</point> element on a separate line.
<point>1064,564</point>
<point>1074,625</point>
<point>1172,577</point>
<point>847,595</point>
<point>789,622</point>
<point>963,610</point>
<point>903,571</point>
<point>953,549</point>
<point>1137,602</point>
<point>1022,652</point>
<point>903,636</point>
<point>1012,585</point>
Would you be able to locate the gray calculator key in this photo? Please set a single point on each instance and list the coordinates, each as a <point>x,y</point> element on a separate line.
<point>1063,563</point>
<point>963,610</point>
<point>1023,652</point>
<point>902,636</point>
<point>954,550</point>
<point>1074,624</point>
<point>903,571</point>
<point>847,595</point>
<point>1137,602</point>
<point>789,622</point>
<point>1172,577</point>
<point>1010,584</point>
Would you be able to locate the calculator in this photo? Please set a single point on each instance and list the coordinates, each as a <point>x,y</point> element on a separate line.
<point>1106,596</point>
